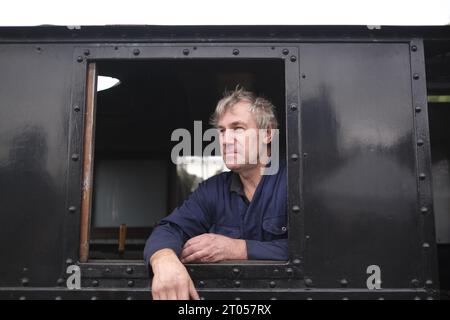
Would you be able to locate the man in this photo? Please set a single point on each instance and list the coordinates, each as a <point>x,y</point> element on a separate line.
<point>235,215</point>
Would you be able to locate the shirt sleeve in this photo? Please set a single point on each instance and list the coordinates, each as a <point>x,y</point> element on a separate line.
<point>192,218</point>
<point>267,250</point>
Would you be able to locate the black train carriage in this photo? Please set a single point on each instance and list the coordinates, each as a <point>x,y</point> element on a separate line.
<point>85,174</point>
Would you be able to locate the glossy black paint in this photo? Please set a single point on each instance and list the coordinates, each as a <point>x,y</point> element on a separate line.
<point>360,174</point>
<point>355,188</point>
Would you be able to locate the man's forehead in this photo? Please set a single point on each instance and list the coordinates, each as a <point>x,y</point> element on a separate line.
<point>239,113</point>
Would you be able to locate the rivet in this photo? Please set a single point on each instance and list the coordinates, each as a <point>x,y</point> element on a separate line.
<point>69,261</point>
<point>424,209</point>
<point>60,281</point>
<point>380,298</point>
<point>289,271</point>
<point>415,76</point>
<point>293,106</point>
<point>22,298</point>
<point>285,52</point>
<point>186,52</point>
<point>425,245</point>
<point>418,109</point>
<point>294,156</point>
<point>415,283</point>
<point>237,298</point>
<point>430,298</point>
<point>284,229</point>
<point>130,283</point>
<point>80,59</point>
<point>129,270</point>
<point>297,261</point>
<point>309,298</point>
<point>95,283</point>
<point>417,298</point>
<point>344,283</point>
<point>58,298</point>
<point>235,52</point>
<point>429,283</point>
<point>129,298</point>
<point>25,269</point>
<point>237,284</point>
<point>76,108</point>
<point>303,76</point>
<point>116,48</point>
<point>414,48</point>
<point>273,298</point>
<point>422,176</point>
<point>344,298</point>
<point>72,209</point>
<point>308,282</point>
<point>276,272</point>
<point>25,282</point>
<point>420,142</point>
<point>295,208</point>
<point>75,157</point>
<point>94,298</point>
<point>136,52</point>
<point>202,298</point>
<point>201,284</point>
<point>87,52</point>
<point>107,270</point>
<point>305,155</point>
<point>39,49</point>
<point>272,284</point>
<point>293,58</point>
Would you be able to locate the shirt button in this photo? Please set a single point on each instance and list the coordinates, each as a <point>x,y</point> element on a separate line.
<point>283,229</point>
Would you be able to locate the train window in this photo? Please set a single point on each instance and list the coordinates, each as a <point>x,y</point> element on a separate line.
<point>128,142</point>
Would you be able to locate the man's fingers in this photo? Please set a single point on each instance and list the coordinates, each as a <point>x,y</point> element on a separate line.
<point>192,292</point>
<point>196,256</point>
<point>193,240</point>
<point>172,295</point>
<point>183,292</point>
<point>189,250</point>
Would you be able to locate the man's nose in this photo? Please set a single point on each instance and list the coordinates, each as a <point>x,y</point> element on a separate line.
<point>228,137</point>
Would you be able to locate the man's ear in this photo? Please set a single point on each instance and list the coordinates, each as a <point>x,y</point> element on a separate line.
<point>267,135</point>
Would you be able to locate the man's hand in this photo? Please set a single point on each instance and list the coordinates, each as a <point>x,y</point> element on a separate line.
<point>171,280</point>
<point>210,247</point>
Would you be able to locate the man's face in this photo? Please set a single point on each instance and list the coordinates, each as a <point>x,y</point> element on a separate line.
<point>239,139</point>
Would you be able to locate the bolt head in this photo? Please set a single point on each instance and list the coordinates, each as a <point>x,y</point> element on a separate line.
<point>186,52</point>
<point>414,48</point>
<point>136,52</point>
<point>293,58</point>
<point>235,52</point>
<point>285,52</point>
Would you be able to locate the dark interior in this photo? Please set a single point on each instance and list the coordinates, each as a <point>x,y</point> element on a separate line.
<point>133,127</point>
<point>437,57</point>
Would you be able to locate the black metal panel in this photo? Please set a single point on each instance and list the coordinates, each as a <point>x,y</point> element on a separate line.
<point>35,91</point>
<point>360,174</point>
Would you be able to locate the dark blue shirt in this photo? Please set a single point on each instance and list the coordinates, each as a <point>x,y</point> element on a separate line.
<point>219,205</point>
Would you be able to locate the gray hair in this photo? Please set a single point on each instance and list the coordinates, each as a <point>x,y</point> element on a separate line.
<point>262,108</point>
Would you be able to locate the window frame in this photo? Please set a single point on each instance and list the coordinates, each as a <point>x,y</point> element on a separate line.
<point>80,177</point>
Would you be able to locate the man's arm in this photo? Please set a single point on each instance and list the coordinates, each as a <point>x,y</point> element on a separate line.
<point>171,279</point>
<point>214,248</point>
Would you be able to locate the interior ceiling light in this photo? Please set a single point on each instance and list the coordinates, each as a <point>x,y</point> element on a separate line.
<point>104,83</point>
